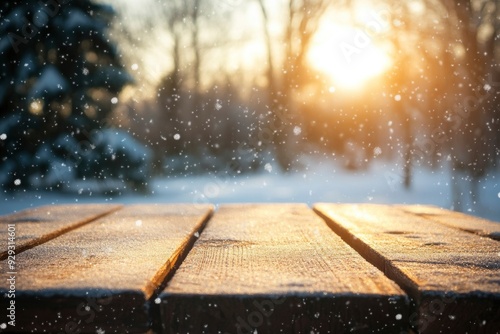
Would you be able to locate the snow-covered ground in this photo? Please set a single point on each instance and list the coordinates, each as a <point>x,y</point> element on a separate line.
<point>320,181</point>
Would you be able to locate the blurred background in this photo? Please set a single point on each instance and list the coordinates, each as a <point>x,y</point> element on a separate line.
<point>250,100</point>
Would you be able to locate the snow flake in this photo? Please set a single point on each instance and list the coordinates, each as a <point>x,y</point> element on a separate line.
<point>100,331</point>
<point>138,222</point>
<point>17,182</point>
<point>3,136</point>
<point>114,100</point>
<point>268,167</point>
<point>177,136</point>
<point>316,315</point>
<point>218,105</point>
<point>3,326</point>
<point>399,316</point>
<point>157,301</point>
<point>487,87</point>
<point>377,151</point>
<point>297,130</point>
<point>331,89</point>
<point>134,67</point>
<point>197,234</point>
<point>498,195</point>
<point>85,71</point>
<point>397,97</point>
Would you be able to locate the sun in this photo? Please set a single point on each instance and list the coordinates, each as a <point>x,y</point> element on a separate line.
<point>349,57</point>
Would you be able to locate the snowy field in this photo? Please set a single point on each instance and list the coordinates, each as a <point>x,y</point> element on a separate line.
<point>319,181</point>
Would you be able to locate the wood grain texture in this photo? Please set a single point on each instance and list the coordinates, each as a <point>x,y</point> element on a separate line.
<point>38,225</point>
<point>453,276</point>
<point>457,220</point>
<point>277,269</point>
<point>100,276</point>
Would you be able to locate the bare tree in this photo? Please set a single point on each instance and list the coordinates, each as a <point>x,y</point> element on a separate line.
<point>474,150</point>
<point>302,22</point>
<point>271,80</point>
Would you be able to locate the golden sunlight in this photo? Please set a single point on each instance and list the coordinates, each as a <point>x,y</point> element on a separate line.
<point>348,57</point>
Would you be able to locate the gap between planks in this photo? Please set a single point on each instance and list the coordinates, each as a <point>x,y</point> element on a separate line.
<point>285,259</point>
<point>451,275</point>
<point>65,218</point>
<point>457,220</point>
<point>137,246</point>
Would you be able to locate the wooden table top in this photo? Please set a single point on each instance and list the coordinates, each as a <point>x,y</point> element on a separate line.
<point>249,268</point>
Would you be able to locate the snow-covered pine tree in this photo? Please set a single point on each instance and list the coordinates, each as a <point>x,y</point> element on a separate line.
<point>59,78</point>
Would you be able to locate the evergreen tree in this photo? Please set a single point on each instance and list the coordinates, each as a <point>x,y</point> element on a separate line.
<point>59,78</point>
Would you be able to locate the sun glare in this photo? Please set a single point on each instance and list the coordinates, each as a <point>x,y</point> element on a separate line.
<point>347,56</point>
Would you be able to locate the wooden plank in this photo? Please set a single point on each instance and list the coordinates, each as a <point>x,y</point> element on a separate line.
<point>99,277</point>
<point>277,269</point>
<point>457,220</point>
<point>35,226</point>
<point>452,276</point>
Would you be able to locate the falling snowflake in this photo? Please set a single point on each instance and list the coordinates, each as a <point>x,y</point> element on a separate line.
<point>134,67</point>
<point>399,317</point>
<point>177,136</point>
<point>218,105</point>
<point>138,222</point>
<point>100,331</point>
<point>3,326</point>
<point>157,301</point>
<point>297,130</point>
<point>17,182</point>
<point>3,136</point>
<point>268,167</point>
<point>114,100</point>
<point>85,71</point>
<point>397,97</point>
<point>197,234</point>
<point>377,151</point>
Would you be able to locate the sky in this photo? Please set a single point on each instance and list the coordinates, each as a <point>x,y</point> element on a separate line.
<point>349,56</point>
